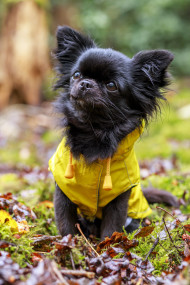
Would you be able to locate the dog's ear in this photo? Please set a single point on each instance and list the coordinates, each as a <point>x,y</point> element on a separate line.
<point>148,74</point>
<point>70,44</point>
<point>150,67</point>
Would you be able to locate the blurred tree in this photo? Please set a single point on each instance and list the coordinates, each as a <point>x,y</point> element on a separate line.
<point>128,26</point>
<point>24,56</point>
<point>134,25</point>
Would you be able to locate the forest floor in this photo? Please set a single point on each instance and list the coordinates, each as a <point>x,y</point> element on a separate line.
<point>32,252</point>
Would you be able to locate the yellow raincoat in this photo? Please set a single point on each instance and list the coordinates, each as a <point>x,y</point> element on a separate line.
<point>86,187</point>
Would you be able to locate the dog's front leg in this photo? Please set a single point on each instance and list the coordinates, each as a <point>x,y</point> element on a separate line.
<point>65,213</point>
<point>114,215</point>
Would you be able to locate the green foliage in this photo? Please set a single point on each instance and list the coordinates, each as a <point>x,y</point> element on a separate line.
<point>45,222</point>
<point>20,248</point>
<point>45,189</point>
<point>78,257</point>
<point>165,253</point>
<point>135,25</point>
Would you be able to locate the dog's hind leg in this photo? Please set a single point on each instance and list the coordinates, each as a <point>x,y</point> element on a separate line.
<point>152,195</point>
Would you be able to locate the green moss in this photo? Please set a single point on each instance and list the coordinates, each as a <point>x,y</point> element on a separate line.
<point>78,257</point>
<point>45,223</point>
<point>165,255</point>
<point>45,189</point>
<point>20,249</point>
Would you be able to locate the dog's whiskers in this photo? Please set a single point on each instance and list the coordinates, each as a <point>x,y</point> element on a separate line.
<point>109,104</point>
<point>117,109</point>
<point>107,107</point>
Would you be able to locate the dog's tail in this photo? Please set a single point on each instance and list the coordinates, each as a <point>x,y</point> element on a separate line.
<point>154,195</point>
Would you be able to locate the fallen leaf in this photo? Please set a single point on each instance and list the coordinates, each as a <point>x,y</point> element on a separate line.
<point>187,227</point>
<point>112,280</point>
<point>5,218</point>
<point>43,242</point>
<point>36,257</point>
<point>186,250</point>
<point>7,196</point>
<point>20,227</point>
<point>20,211</point>
<point>186,238</point>
<point>4,244</point>
<point>23,227</point>
<point>117,238</point>
<point>47,204</point>
<point>143,232</point>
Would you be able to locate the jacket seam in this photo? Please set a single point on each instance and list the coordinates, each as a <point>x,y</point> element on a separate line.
<point>127,172</point>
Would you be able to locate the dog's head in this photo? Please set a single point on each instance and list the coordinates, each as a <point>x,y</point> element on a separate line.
<point>106,94</point>
<point>105,86</point>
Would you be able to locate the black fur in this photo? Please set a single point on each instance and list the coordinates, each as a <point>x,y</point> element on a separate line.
<point>65,213</point>
<point>114,215</point>
<point>105,118</point>
<point>95,119</point>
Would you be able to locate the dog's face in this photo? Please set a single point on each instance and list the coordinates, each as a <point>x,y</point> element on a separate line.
<point>105,86</point>
<point>98,85</point>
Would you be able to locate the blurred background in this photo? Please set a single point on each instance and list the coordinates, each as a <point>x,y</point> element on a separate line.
<point>28,135</point>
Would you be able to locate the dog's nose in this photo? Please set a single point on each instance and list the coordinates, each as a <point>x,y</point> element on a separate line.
<point>85,85</point>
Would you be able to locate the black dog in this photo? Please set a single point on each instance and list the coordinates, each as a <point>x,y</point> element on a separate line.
<point>106,100</point>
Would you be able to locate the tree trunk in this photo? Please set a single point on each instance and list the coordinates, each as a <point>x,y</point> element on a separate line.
<point>24,58</point>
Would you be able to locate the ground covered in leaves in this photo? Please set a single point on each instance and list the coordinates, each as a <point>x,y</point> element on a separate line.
<point>32,252</point>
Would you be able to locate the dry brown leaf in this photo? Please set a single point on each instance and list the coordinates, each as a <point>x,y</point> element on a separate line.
<point>186,250</point>
<point>47,204</point>
<point>117,238</point>
<point>143,232</point>
<point>187,227</point>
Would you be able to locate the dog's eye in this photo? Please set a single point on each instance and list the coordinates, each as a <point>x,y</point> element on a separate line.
<point>111,86</point>
<point>76,75</point>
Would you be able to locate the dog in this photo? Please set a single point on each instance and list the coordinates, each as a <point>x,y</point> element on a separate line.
<point>105,102</point>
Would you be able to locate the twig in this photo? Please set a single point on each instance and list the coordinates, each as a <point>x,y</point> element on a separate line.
<point>153,247</point>
<point>170,235</point>
<point>78,227</point>
<point>58,274</point>
<point>177,220</point>
<point>72,261</point>
<point>162,246</point>
<point>84,273</point>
